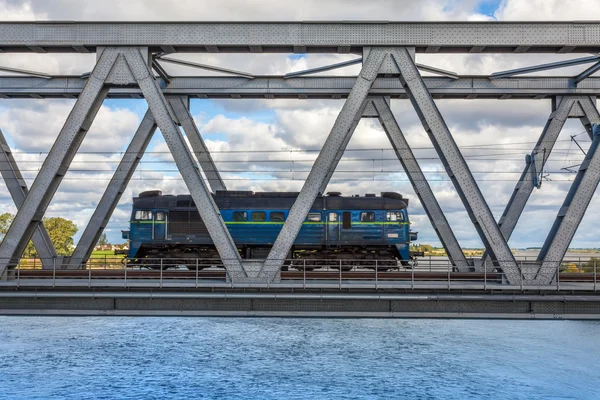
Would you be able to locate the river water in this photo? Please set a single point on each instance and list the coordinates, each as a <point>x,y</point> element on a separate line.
<point>285,358</point>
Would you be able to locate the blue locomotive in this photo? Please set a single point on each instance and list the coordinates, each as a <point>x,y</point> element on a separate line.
<point>354,228</point>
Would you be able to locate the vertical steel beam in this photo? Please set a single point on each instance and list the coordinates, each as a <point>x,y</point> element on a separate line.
<point>570,214</point>
<point>114,191</point>
<point>181,109</point>
<point>338,137</point>
<point>57,162</point>
<point>526,183</point>
<point>420,185</point>
<point>209,212</point>
<point>18,191</point>
<point>455,164</point>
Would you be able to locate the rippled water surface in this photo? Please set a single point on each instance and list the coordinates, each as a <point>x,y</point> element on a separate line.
<point>156,358</point>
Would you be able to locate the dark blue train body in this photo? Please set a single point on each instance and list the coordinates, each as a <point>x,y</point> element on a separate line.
<point>337,227</point>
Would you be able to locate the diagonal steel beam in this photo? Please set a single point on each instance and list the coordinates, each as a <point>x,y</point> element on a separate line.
<point>574,207</point>
<point>340,153</point>
<point>544,67</point>
<point>204,66</point>
<point>322,69</point>
<point>57,162</point>
<point>181,109</point>
<point>18,191</point>
<point>338,137</point>
<point>588,72</point>
<point>526,184</point>
<point>455,164</point>
<point>421,186</point>
<point>114,191</point>
<point>209,212</point>
<point>591,116</point>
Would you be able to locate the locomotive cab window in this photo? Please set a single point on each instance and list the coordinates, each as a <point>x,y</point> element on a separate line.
<point>277,216</point>
<point>259,216</point>
<point>160,216</point>
<point>367,217</point>
<point>143,215</point>
<point>395,216</point>
<point>240,216</point>
<point>314,217</point>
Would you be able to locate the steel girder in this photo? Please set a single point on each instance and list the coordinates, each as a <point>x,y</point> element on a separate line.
<point>342,37</point>
<point>209,212</point>
<point>57,162</point>
<point>455,165</point>
<point>378,107</point>
<point>526,183</point>
<point>338,137</point>
<point>181,109</point>
<point>18,191</point>
<point>314,87</point>
<point>573,209</point>
<point>420,185</point>
<point>565,108</point>
<point>116,66</point>
<point>126,168</point>
<point>113,192</point>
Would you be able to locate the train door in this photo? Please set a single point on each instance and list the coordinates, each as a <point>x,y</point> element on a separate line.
<point>333,226</point>
<point>159,225</point>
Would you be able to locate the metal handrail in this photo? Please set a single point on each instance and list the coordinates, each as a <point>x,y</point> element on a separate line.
<point>348,273</point>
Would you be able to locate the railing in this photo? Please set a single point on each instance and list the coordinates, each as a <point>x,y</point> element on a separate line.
<point>570,274</point>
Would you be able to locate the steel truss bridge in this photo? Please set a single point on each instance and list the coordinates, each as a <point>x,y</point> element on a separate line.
<point>130,60</point>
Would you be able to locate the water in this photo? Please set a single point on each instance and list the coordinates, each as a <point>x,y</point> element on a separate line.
<point>157,358</point>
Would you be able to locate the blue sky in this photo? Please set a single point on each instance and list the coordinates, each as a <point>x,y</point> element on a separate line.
<point>488,7</point>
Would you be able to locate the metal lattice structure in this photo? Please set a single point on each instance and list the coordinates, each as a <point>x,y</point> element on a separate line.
<point>129,65</point>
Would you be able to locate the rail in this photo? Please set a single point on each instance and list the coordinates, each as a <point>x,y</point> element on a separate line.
<point>430,272</point>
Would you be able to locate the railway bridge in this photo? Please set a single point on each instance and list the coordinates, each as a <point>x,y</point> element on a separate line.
<point>130,60</point>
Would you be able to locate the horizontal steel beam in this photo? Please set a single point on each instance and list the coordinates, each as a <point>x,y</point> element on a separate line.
<point>308,87</point>
<point>334,37</point>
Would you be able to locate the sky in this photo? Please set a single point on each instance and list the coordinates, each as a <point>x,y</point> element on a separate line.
<point>269,145</point>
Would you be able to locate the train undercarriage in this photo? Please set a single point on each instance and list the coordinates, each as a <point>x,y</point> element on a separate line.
<point>382,258</point>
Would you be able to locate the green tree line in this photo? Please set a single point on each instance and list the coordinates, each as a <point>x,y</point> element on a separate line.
<point>61,233</point>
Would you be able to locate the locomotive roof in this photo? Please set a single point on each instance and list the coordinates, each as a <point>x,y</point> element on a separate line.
<point>275,200</point>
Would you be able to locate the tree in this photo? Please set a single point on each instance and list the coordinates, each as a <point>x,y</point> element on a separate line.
<point>61,233</point>
<point>5,221</point>
<point>103,241</point>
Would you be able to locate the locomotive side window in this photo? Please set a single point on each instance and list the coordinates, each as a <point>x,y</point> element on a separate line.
<point>314,217</point>
<point>240,216</point>
<point>367,217</point>
<point>277,216</point>
<point>333,217</point>
<point>395,216</point>
<point>143,215</point>
<point>160,216</point>
<point>347,220</point>
<point>259,216</point>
